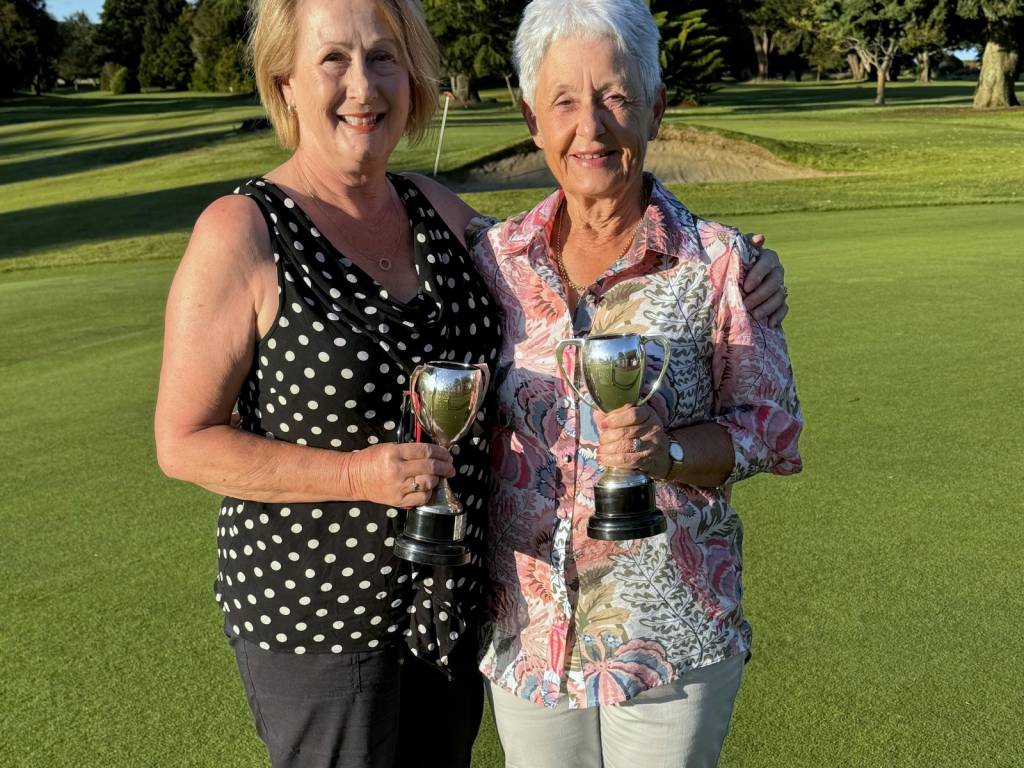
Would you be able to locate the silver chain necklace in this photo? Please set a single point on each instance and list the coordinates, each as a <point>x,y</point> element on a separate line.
<point>384,263</point>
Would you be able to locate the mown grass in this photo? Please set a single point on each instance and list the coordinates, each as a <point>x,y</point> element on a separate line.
<point>882,583</point>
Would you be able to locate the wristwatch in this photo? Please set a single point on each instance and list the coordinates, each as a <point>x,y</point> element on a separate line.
<point>678,456</point>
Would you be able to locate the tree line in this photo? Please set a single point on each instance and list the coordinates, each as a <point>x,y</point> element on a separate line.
<point>200,45</point>
<point>136,44</point>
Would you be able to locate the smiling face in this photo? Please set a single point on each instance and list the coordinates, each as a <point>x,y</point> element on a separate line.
<point>591,119</point>
<point>349,86</point>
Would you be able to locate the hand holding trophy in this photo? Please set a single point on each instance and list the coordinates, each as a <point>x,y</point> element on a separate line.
<point>445,399</point>
<point>614,367</point>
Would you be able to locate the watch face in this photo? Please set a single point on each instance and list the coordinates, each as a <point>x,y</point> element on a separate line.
<point>675,450</point>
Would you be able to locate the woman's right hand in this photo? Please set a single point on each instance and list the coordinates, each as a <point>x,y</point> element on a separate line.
<point>397,474</point>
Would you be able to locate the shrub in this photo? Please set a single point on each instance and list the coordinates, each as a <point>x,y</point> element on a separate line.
<point>231,72</point>
<point>107,74</point>
<point>124,81</point>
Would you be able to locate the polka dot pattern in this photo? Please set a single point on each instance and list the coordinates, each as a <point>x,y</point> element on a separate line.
<point>322,577</point>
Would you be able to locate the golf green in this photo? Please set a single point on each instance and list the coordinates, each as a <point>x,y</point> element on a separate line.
<point>882,583</point>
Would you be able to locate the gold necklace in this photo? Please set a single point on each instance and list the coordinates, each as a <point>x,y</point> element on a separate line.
<point>560,263</point>
<point>383,262</point>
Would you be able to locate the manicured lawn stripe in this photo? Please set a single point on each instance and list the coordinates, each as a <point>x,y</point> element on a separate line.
<point>883,583</point>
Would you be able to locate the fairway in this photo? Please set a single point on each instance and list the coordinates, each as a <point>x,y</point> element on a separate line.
<point>883,583</point>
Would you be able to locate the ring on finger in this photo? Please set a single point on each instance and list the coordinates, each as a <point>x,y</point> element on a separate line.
<point>415,487</point>
<point>636,445</point>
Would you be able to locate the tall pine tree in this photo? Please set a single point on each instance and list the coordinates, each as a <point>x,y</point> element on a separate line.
<point>219,29</point>
<point>691,51</point>
<point>160,16</point>
<point>119,37</point>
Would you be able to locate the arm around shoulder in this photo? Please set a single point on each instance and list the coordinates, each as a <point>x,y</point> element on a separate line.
<point>755,391</point>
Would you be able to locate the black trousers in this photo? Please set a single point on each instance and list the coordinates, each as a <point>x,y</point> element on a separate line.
<point>385,709</point>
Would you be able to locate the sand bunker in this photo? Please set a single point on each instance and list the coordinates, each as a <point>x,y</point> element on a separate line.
<point>679,155</point>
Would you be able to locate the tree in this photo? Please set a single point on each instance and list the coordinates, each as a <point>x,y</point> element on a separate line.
<point>219,28</point>
<point>813,40</point>
<point>475,38</point>
<point>727,18</point>
<point>877,30</point>
<point>77,58</point>
<point>120,33</point>
<point>160,16</point>
<point>691,55</point>
<point>1001,23</point>
<point>928,38</point>
<point>30,44</point>
<point>773,26</point>
<point>823,55</point>
<point>175,55</point>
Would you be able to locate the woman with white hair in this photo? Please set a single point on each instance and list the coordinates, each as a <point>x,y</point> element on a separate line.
<point>619,653</point>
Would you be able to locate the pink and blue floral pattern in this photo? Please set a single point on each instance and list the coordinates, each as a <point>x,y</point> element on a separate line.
<point>605,621</point>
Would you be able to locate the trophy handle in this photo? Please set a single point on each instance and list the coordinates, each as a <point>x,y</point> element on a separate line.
<point>486,371</point>
<point>667,349</point>
<point>414,398</point>
<point>560,357</point>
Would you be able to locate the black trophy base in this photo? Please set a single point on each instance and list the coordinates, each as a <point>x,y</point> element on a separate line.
<point>433,536</point>
<point>431,552</point>
<point>625,510</point>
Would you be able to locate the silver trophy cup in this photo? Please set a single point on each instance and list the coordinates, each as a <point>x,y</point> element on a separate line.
<point>445,399</point>
<point>614,368</point>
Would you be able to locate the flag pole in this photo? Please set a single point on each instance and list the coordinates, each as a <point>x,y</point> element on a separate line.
<point>440,139</point>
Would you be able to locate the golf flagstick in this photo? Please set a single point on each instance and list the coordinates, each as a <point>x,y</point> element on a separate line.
<point>440,139</point>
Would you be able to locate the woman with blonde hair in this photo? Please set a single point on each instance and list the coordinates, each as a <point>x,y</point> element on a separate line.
<point>308,297</point>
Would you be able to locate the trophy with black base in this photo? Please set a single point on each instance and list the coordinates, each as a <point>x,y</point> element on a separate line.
<point>614,368</point>
<point>445,399</point>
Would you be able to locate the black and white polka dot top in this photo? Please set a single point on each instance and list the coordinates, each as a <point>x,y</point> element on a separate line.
<point>330,373</point>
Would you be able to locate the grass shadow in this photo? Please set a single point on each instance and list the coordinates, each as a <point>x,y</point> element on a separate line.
<point>794,97</point>
<point>29,109</point>
<point>67,163</point>
<point>53,227</point>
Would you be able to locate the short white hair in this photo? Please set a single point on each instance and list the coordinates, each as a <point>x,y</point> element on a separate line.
<point>628,23</point>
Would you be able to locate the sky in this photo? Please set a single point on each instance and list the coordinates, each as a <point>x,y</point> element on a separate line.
<point>61,9</point>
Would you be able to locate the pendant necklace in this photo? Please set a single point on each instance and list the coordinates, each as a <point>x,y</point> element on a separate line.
<point>384,263</point>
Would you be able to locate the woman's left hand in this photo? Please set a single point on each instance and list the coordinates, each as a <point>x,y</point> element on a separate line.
<point>633,438</point>
<point>765,293</point>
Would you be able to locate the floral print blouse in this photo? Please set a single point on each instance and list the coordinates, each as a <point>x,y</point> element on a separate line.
<point>603,621</point>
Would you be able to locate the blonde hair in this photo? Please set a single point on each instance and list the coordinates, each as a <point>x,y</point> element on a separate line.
<point>272,53</point>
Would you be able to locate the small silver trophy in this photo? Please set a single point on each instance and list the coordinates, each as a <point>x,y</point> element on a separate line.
<point>614,368</point>
<point>445,399</point>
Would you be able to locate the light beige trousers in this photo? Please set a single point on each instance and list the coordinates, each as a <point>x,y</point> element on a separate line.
<point>680,725</point>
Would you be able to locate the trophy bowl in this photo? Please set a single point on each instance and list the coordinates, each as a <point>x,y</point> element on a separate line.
<point>614,367</point>
<point>445,398</point>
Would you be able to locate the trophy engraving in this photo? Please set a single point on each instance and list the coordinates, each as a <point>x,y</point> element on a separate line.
<point>445,399</point>
<point>614,368</point>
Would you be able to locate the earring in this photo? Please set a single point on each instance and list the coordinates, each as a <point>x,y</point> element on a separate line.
<point>291,108</point>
